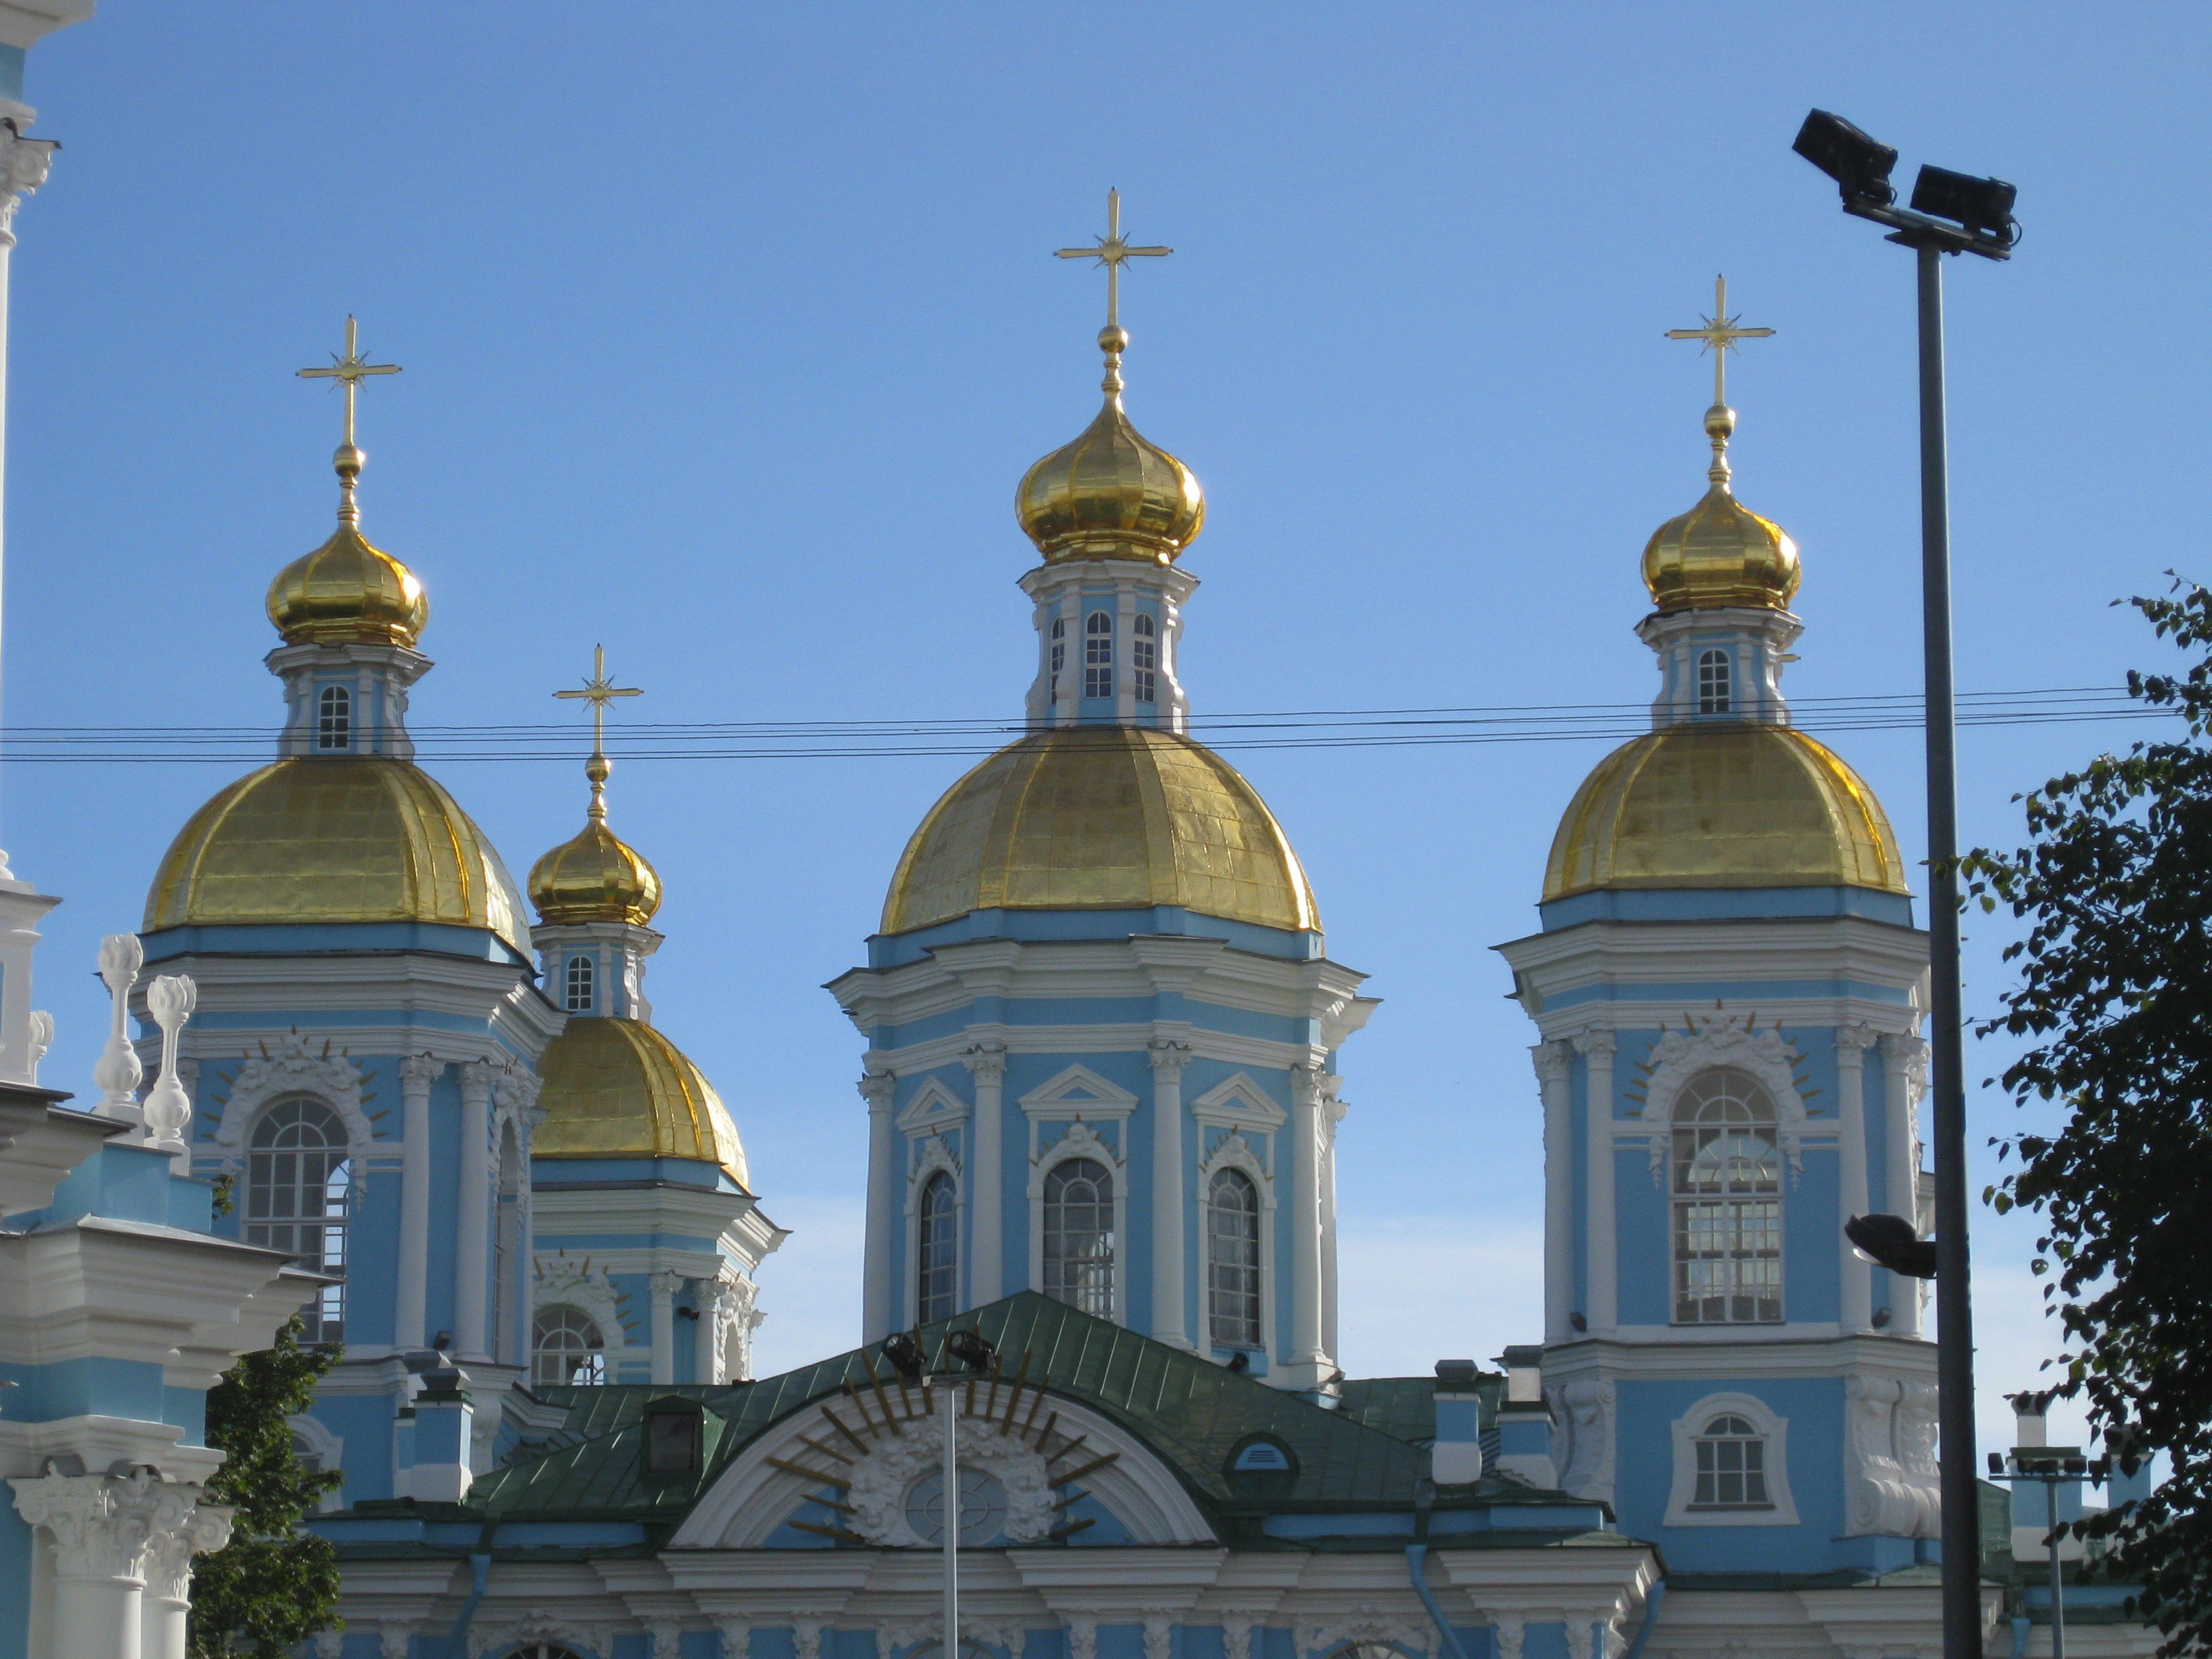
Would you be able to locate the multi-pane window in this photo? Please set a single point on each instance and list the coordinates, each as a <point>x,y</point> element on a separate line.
<point>298,1191</point>
<point>1145,657</point>
<point>1731,1466</point>
<point>1716,695</point>
<point>1727,1202</point>
<point>1232,1259</point>
<point>580,984</point>
<point>1058,658</point>
<point>1078,1235</point>
<point>334,718</point>
<point>567,1350</point>
<point>936,1249</point>
<point>1098,654</point>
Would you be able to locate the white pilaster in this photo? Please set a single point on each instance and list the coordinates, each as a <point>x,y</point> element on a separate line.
<point>665,1286</point>
<point>1171,1206</point>
<point>1555,1078</point>
<point>1308,1364</point>
<point>986,1274</point>
<point>167,1603</point>
<point>878,1307</point>
<point>24,163</point>
<point>1851,1044</point>
<point>106,1534</point>
<point>1904,1061</point>
<point>1125,653</point>
<point>1332,1113</point>
<point>1603,1312</point>
<point>416,1074</point>
<point>472,1246</point>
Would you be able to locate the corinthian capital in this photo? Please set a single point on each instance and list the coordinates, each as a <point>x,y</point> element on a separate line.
<point>875,1089</point>
<point>1168,1059</point>
<point>1555,1061</point>
<point>1595,1043</point>
<point>24,164</point>
<point>986,1061</point>
<point>420,1070</point>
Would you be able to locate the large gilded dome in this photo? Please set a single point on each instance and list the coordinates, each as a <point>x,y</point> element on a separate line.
<point>1112,494</point>
<point>616,1088</point>
<point>1722,806</point>
<point>335,839</point>
<point>348,592</point>
<point>1101,818</point>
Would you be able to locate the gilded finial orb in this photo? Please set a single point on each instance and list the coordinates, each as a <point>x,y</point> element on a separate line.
<point>1114,339</point>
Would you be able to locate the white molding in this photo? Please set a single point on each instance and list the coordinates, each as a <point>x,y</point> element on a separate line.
<point>559,1280</point>
<point>1080,1141</point>
<point>1058,1099</point>
<point>934,1109</point>
<point>1235,1152</point>
<point>294,1065</point>
<point>932,1157</point>
<point>1679,1058</point>
<point>1782,1510</point>
<point>1238,1102</point>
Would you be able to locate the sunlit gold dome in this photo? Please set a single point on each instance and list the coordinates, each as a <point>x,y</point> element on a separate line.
<point>1101,818</point>
<point>1722,806</point>
<point>1111,494</point>
<point>595,876</point>
<point>347,593</point>
<point>335,839</point>
<point>616,1088</point>
<point>1720,554</point>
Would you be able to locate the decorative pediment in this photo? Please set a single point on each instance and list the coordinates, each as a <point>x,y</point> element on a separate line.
<point>1238,1102</point>
<point>1766,1055</point>
<point>933,1108</point>
<point>1233,1150</point>
<point>1079,1092</point>
<point>293,1065</point>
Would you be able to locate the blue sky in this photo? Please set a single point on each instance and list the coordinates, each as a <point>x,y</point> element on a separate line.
<point>729,328</point>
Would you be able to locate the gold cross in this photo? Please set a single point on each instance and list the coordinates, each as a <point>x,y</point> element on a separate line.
<point>348,371</point>
<point>599,691</point>
<point>1111,252</point>
<point>1720,335</point>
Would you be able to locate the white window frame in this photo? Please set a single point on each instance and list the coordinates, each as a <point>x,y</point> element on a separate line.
<point>1145,657</point>
<point>569,965</point>
<point>1772,1426</point>
<point>1233,1155</point>
<point>248,1221</point>
<point>333,719</point>
<point>1097,656</point>
<point>918,1267</point>
<point>931,1157</point>
<point>606,1350</point>
<point>1055,659</point>
<point>1677,1199</point>
<point>1715,674</point>
<point>1081,1140</point>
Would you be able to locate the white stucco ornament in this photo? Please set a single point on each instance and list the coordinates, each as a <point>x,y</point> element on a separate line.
<point>168,1110</point>
<point>1679,1056</point>
<point>882,1480</point>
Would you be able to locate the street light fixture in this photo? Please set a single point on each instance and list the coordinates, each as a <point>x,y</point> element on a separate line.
<point>1888,1241</point>
<point>1951,213</point>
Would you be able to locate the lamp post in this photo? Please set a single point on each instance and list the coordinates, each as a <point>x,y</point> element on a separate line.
<point>907,1357</point>
<point>2051,1467</point>
<point>1951,213</point>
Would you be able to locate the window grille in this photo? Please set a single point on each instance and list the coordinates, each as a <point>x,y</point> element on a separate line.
<point>1731,1466</point>
<point>1727,1202</point>
<point>1144,658</point>
<point>1098,655</point>
<point>299,1195</point>
<point>1078,1235</point>
<point>936,1249</point>
<point>1232,1259</point>
<point>567,1350</point>
<point>1715,695</point>
<point>334,718</point>
<point>581,984</point>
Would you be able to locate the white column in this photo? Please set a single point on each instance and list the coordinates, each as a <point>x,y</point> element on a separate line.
<point>987,1222</point>
<point>168,1600</point>
<point>665,1286</point>
<point>712,1298</point>
<point>1555,1078</point>
<point>104,1534</point>
<point>1332,1114</point>
<point>24,163</point>
<point>416,1074</point>
<point>1072,665</point>
<point>1309,1366</point>
<point>1904,1063</point>
<point>1851,1044</point>
<point>878,1312</point>
<point>1603,1312</point>
<point>473,1244</point>
<point>1171,1204</point>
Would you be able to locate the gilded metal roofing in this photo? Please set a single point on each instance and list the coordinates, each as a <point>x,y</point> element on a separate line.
<point>617,1088</point>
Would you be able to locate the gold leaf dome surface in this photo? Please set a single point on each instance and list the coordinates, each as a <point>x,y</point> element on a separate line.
<point>1110,494</point>
<point>596,877</point>
<point>341,839</point>
<point>616,1088</point>
<point>348,592</point>
<point>1720,555</point>
<point>1722,806</point>
<point>1103,817</point>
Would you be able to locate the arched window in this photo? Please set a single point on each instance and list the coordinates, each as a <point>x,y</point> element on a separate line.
<point>1098,654</point>
<point>1145,657</point>
<point>1078,1235</point>
<point>1727,1201</point>
<point>1059,658</point>
<point>1715,694</point>
<point>1731,1466</point>
<point>299,1190</point>
<point>334,718</point>
<point>578,984</point>
<point>936,1249</point>
<point>1232,1259</point>
<point>566,1350</point>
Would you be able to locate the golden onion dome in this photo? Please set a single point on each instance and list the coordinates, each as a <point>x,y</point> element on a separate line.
<point>1111,494</point>
<point>1101,818</point>
<point>1722,806</point>
<point>335,839</point>
<point>616,1088</point>
<point>347,593</point>
<point>595,876</point>
<point>1720,554</point>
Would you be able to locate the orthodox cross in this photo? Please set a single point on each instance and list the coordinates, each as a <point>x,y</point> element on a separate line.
<point>599,691</point>
<point>1720,335</point>
<point>1112,250</point>
<point>348,371</point>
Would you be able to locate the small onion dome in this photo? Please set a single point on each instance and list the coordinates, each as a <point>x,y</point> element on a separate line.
<point>347,593</point>
<point>1101,818</point>
<point>596,877</point>
<point>616,1088</point>
<point>1110,494</point>
<point>357,838</point>
<point>1722,806</point>
<point>1720,555</point>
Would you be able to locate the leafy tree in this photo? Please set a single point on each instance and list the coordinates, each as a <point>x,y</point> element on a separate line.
<point>273,1585</point>
<point>2114,999</point>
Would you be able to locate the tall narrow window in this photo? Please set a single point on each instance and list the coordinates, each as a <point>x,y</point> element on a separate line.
<point>1145,657</point>
<point>334,718</point>
<point>1078,1235</point>
<point>1716,695</point>
<point>1098,655</point>
<point>567,1350</point>
<point>936,1249</point>
<point>1727,1202</point>
<point>299,1192</point>
<point>1232,1259</point>
<point>1058,658</point>
<point>1731,1466</point>
<point>581,977</point>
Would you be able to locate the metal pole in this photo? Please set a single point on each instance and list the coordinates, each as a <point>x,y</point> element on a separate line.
<point>2057,1585</point>
<point>1954,1332</point>
<point>950,1510</point>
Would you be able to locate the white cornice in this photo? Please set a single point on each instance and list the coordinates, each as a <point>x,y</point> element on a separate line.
<point>1072,1039</point>
<point>1661,1352</point>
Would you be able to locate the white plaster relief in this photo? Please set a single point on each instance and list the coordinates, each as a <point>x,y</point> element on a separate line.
<point>293,1066</point>
<point>1585,1407</point>
<point>1678,1057</point>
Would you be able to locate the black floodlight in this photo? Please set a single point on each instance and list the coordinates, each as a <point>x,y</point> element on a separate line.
<point>1997,1465</point>
<point>1983,205</point>
<point>1859,165</point>
<point>1889,1241</point>
<point>905,1356</point>
<point>971,1350</point>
